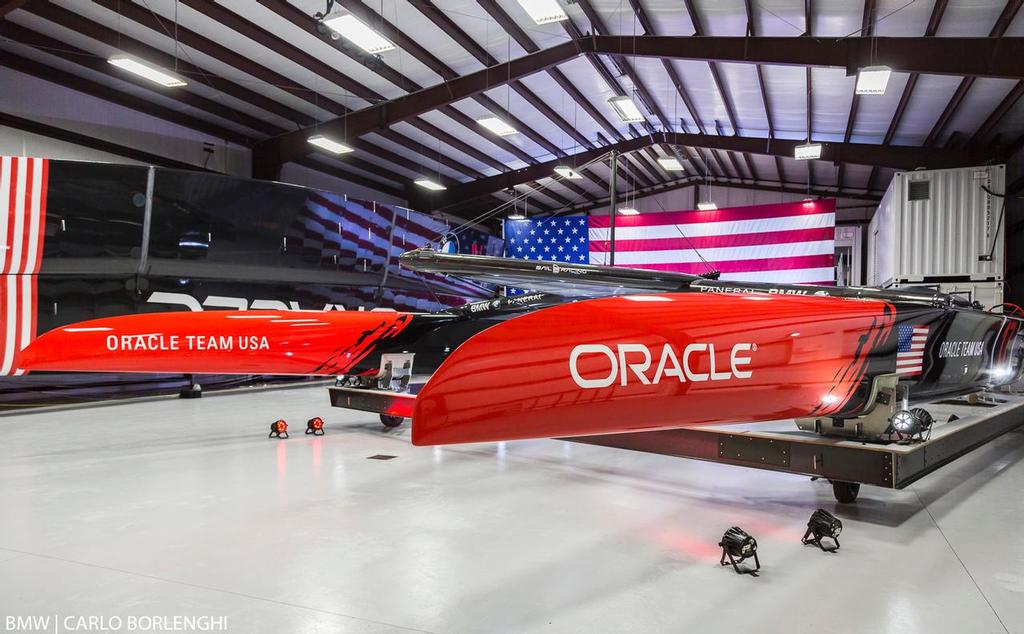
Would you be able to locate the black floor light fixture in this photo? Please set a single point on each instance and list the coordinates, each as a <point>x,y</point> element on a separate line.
<point>278,429</point>
<point>823,525</point>
<point>737,545</point>
<point>315,426</point>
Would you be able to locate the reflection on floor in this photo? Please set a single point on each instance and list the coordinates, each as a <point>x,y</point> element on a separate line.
<point>171,507</point>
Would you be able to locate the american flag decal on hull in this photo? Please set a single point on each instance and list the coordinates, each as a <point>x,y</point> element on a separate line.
<point>23,183</point>
<point>910,349</point>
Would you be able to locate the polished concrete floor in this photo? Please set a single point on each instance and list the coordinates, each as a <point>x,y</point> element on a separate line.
<point>171,507</point>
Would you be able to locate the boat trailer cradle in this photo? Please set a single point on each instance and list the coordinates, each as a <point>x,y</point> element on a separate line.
<point>778,446</point>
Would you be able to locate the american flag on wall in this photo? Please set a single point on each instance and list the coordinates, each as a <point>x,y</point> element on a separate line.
<point>23,185</point>
<point>910,345</point>
<point>785,243</point>
<point>358,236</point>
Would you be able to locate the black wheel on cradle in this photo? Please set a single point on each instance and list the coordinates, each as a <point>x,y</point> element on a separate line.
<point>845,492</point>
<point>391,421</point>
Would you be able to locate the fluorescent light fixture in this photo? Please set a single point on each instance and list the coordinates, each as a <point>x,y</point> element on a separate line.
<point>497,126</point>
<point>329,144</point>
<point>544,11</point>
<point>709,206</point>
<point>142,69</point>
<point>670,164</point>
<point>626,109</point>
<point>426,183</point>
<point>568,173</point>
<point>628,211</point>
<point>807,151</point>
<point>516,216</point>
<point>872,80</point>
<point>349,27</point>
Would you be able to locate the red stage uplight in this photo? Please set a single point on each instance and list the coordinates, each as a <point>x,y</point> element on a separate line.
<point>315,426</point>
<point>278,429</point>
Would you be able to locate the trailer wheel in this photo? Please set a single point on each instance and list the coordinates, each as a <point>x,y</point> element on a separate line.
<point>845,492</point>
<point>391,421</point>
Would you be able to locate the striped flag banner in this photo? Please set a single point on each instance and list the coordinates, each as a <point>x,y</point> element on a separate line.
<point>910,344</point>
<point>363,236</point>
<point>790,243</point>
<point>23,183</point>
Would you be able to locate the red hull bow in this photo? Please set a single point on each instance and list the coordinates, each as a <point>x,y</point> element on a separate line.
<point>230,342</point>
<point>651,362</point>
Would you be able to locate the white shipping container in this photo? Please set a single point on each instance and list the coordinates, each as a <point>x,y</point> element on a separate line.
<point>939,226</point>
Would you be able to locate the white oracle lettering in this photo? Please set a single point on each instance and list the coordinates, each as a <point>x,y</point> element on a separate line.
<point>736,360</point>
<point>637,368</point>
<point>147,343</point>
<point>592,349</point>
<point>209,342</point>
<point>716,376</point>
<point>631,363</point>
<point>690,374</point>
<point>953,349</point>
<point>253,342</point>
<point>668,356</point>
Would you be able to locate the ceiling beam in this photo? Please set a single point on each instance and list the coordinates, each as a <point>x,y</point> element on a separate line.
<point>86,59</point>
<point>642,175</point>
<point>452,30</point>
<point>908,90</point>
<point>474,189</point>
<point>7,6</point>
<point>304,21</point>
<point>953,56</point>
<point>670,69</point>
<point>642,94</point>
<point>428,59</point>
<point>723,170</point>
<point>690,181</point>
<point>698,30</point>
<point>751,168</point>
<point>106,93</point>
<point>1010,10</point>
<point>751,26</point>
<point>512,28</point>
<point>1000,112</point>
<point>896,157</point>
<point>101,33</point>
<point>959,56</point>
<point>230,57</point>
<point>600,29</point>
<point>628,168</point>
<point>68,136</point>
<point>296,55</point>
<point>648,159</point>
<point>867,29</point>
<point>752,31</point>
<point>677,82</point>
<point>410,45</point>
